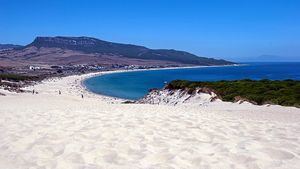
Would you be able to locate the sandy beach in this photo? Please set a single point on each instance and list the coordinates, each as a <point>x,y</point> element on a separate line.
<point>52,131</point>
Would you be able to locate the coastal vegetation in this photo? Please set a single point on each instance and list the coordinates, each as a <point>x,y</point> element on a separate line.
<point>14,82</point>
<point>17,77</point>
<point>285,92</point>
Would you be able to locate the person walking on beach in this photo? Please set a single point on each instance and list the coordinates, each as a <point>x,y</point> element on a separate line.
<point>82,96</point>
<point>59,92</point>
<point>33,91</point>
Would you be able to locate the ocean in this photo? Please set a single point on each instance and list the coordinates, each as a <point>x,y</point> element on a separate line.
<point>134,85</point>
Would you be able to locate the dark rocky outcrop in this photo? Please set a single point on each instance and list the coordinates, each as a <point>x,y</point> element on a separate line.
<point>9,46</point>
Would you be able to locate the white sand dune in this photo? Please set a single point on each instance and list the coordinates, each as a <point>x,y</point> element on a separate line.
<point>48,130</point>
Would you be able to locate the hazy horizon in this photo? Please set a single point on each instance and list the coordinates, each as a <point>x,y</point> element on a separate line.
<point>233,30</point>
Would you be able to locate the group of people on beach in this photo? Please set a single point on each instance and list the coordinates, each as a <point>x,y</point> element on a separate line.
<point>34,92</point>
<point>59,92</point>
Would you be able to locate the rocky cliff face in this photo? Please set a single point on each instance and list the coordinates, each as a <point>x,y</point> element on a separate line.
<point>63,42</point>
<point>201,96</point>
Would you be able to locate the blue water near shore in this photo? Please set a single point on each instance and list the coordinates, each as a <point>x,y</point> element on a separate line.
<point>134,85</point>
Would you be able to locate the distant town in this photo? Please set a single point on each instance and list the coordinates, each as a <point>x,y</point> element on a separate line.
<point>64,70</point>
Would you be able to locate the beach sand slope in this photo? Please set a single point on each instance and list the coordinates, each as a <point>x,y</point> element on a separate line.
<point>64,131</point>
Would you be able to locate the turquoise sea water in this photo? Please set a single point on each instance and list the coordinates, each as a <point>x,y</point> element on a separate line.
<point>134,85</point>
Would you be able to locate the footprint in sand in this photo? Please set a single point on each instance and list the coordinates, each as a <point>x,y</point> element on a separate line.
<point>74,158</point>
<point>113,158</point>
<point>278,154</point>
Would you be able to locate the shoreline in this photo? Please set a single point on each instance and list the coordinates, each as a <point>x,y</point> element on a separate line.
<point>85,76</point>
<point>121,100</point>
<point>82,89</point>
<point>95,74</point>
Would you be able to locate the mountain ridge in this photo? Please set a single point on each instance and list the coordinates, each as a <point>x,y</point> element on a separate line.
<point>93,45</point>
<point>62,50</point>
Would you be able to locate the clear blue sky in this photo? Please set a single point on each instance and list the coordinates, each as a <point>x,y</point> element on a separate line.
<point>231,29</point>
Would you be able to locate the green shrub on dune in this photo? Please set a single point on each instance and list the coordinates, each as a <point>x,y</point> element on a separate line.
<point>285,92</point>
